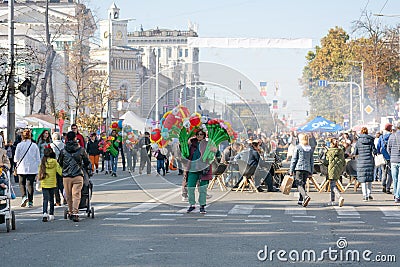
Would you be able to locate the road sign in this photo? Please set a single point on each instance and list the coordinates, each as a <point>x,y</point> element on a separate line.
<point>323,83</point>
<point>369,109</point>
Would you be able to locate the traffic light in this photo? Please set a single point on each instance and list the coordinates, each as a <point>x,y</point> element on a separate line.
<point>25,87</point>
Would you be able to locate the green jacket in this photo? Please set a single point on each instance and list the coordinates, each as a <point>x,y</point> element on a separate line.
<point>336,162</point>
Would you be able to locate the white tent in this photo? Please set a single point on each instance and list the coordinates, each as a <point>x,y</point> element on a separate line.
<point>3,122</point>
<point>133,120</point>
<point>36,122</point>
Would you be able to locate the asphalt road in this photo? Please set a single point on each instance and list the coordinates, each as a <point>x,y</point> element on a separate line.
<point>140,220</point>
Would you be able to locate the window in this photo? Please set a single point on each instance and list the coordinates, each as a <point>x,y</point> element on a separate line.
<point>186,52</point>
<point>180,53</point>
<point>169,52</point>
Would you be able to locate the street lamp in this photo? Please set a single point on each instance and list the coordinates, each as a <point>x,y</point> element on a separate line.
<point>362,88</point>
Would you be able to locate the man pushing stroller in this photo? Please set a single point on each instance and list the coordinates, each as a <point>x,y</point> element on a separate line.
<point>73,160</point>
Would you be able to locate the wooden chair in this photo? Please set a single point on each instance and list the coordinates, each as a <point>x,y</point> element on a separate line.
<point>247,173</point>
<point>314,182</point>
<point>326,186</point>
<point>218,171</point>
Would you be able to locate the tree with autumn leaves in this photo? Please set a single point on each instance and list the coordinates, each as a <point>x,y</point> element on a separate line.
<point>339,58</point>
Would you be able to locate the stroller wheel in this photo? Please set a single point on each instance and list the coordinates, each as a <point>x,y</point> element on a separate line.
<point>65,214</point>
<point>92,212</point>
<point>13,225</point>
<point>8,225</point>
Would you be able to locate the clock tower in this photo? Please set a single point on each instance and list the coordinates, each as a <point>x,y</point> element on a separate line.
<point>114,25</point>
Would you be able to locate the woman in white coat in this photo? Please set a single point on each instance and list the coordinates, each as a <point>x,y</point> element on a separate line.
<point>27,160</point>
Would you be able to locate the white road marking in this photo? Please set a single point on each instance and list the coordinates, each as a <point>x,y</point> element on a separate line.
<point>161,219</point>
<point>216,215</point>
<point>348,217</point>
<point>351,222</point>
<point>393,222</point>
<point>253,221</point>
<point>347,211</point>
<point>242,209</point>
<point>390,211</point>
<point>171,214</point>
<point>151,204</point>
<point>298,221</point>
<point>115,181</point>
<point>116,219</point>
<point>209,220</point>
<point>290,210</point>
<point>304,216</point>
<point>25,220</point>
<point>259,216</point>
<point>129,213</point>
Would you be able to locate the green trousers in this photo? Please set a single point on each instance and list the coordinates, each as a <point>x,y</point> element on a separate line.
<point>193,177</point>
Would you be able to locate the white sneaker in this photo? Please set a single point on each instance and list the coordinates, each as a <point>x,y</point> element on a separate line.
<point>45,217</point>
<point>341,201</point>
<point>184,199</point>
<point>208,196</point>
<point>24,201</point>
<point>51,217</point>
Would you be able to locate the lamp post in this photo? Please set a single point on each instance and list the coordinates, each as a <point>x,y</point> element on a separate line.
<point>11,86</point>
<point>362,89</point>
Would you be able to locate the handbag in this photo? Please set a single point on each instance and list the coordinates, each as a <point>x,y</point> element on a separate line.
<point>286,184</point>
<point>19,162</point>
<point>380,160</point>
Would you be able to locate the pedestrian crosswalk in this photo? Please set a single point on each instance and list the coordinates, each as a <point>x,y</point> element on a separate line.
<point>247,213</point>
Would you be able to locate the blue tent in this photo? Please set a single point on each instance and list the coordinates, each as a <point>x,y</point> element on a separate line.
<point>320,124</point>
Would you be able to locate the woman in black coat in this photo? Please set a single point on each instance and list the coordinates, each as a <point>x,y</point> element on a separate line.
<point>365,149</point>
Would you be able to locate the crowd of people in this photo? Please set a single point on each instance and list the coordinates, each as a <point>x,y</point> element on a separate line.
<point>60,163</point>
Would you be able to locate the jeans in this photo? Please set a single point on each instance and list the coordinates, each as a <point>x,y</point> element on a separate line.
<point>114,163</point>
<point>395,176</point>
<point>386,176</point>
<point>378,173</point>
<point>160,165</point>
<point>60,188</point>
<point>131,157</point>
<point>193,177</point>
<point>145,159</point>
<point>366,189</point>
<point>48,196</point>
<point>301,179</point>
<point>334,190</point>
<point>26,182</point>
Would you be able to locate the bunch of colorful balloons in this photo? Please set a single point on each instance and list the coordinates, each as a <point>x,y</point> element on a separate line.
<point>169,128</point>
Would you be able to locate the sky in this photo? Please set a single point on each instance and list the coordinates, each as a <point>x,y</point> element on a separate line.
<point>256,18</point>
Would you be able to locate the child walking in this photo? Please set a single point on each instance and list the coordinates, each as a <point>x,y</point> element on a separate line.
<point>48,169</point>
<point>160,161</point>
<point>336,163</point>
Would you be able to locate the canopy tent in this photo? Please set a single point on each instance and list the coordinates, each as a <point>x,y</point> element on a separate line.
<point>36,122</point>
<point>3,122</point>
<point>133,120</point>
<point>320,124</point>
<point>18,123</point>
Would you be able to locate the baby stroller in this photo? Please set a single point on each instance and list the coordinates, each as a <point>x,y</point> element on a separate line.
<point>7,215</point>
<point>86,195</point>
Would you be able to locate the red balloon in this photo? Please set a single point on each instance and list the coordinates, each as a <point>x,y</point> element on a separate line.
<point>155,135</point>
<point>194,121</point>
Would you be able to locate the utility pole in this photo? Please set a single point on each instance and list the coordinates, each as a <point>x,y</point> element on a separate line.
<point>11,86</point>
<point>157,83</point>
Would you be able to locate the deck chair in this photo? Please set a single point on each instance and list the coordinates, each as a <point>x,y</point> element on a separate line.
<point>218,171</point>
<point>247,173</point>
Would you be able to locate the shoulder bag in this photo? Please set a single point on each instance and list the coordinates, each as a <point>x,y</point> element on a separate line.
<point>19,162</point>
